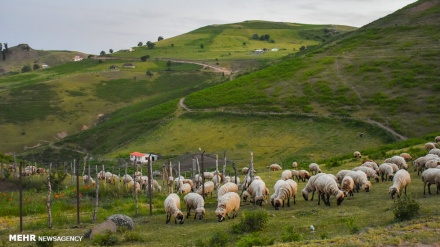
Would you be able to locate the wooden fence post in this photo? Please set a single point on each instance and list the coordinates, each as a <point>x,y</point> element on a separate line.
<point>48,198</point>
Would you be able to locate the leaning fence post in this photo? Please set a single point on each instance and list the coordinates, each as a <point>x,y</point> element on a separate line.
<point>48,199</point>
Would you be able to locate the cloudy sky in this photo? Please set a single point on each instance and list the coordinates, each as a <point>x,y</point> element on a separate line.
<point>91,26</point>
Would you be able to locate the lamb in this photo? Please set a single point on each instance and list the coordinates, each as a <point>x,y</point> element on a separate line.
<point>310,187</point>
<point>386,172</point>
<point>196,202</point>
<point>401,180</point>
<point>428,178</point>
<point>347,185</point>
<point>398,160</point>
<point>406,156</point>
<point>228,203</point>
<point>303,175</point>
<point>285,190</point>
<point>275,167</point>
<point>184,188</point>
<point>172,208</point>
<point>227,187</point>
<point>314,169</point>
<point>326,186</point>
<point>209,188</point>
<point>368,171</point>
<point>357,154</point>
<point>258,191</point>
<point>287,174</point>
<point>294,165</point>
<point>360,180</point>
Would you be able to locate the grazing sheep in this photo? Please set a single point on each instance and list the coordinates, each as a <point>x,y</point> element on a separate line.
<point>419,163</point>
<point>314,169</point>
<point>184,188</point>
<point>303,175</point>
<point>172,208</point>
<point>357,154</point>
<point>232,179</point>
<point>294,165</point>
<point>134,185</point>
<point>326,186</point>
<point>275,167</point>
<point>347,185</point>
<point>258,191</point>
<point>216,179</point>
<point>430,145</point>
<point>227,187</point>
<point>428,178</point>
<point>228,203</point>
<point>435,151</point>
<point>285,190</point>
<point>208,175</point>
<point>432,163</point>
<point>126,178</point>
<point>386,171</point>
<point>310,187</point>
<point>437,139</point>
<point>341,174</point>
<point>88,180</point>
<point>406,156</point>
<point>368,171</point>
<point>41,170</point>
<point>113,179</point>
<point>371,164</point>
<point>398,160</point>
<point>209,188</point>
<point>101,175</point>
<point>287,174</point>
<point>401,180</point>
<point>197,180</point>
<point>245,170</point>
<point>196,202</point>
<point>275,190</point>
<point>360,180</point>
<point>190,182</point>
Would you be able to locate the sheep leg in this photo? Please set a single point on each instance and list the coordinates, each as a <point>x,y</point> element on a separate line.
<point>328,200</point>
<point>429,189</point>
<point>313,194</point>
<point>294,199</point>
<point>168,219</point>
<point>288,202</point>
<point>188,213</point>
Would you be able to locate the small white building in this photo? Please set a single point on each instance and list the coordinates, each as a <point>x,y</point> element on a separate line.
<point>44,66</point>
<point>77,58</point>
<point>274,49</point>
<point>142,157</point>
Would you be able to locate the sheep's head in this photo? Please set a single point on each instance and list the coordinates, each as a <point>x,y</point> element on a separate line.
<point>367,186</point>
<point>179,216</point>
<point>221,213</point>
<point>200,212</point>
<point>340,198</point>
<point>245,195</point>
<point>305,195</point>
<point>278,203</point>
<point>392,191</point>
<point>376,178</point>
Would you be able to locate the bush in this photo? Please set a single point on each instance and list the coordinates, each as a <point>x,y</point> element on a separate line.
<point>405,207</point>
<point>350,224</point>
<point>131,236</point>
<point>290,236</point>
<point>254,240</point>
<point>219,239</point>
<point>251,221</point>
<point>106,239</point>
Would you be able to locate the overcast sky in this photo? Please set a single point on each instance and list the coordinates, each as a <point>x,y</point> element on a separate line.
<point>91,26</point>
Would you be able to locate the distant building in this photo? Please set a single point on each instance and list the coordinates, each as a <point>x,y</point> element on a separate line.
<point>113,67</point>
<point>77,58</point>
<point>274,49</point>
<point>258,51</point>
<point>142,157</point>
<point>129,66</point>
<point>44,66</point>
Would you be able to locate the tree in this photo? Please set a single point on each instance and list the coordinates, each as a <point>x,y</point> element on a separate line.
<point>36,66</point>
<point>159,38</point>
<point>102,53</point>
<point>26,68</point>
<point>111,51</point>
<point>150,45</point>
<point>1,47</point>
<point>255,36</point>
<point>140,44</point>
<point>202,46</point>
<point>149,73</point>
<point>144,58</point>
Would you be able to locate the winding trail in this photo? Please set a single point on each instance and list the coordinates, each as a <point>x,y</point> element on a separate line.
<point>369,121</point>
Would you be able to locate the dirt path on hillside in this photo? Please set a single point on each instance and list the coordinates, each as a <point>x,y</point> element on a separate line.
<point>369,121</point>
<point>224,70</point>
<point>344,81</point>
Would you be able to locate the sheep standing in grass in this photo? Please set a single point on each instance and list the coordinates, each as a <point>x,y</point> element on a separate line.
<point>360,180</point>
<point>347,185</point>
<point>310,187</point>
<point>303,175</point>
<point>134,185</point>
<point>406,156</point>
<point>435,151</point>
<point>327,186</point>
<point>314,169</point>
<point>432,163</point>
<point>357,154</point>
<point>287,174</point>
<point>429,177</point>
<point>88,180</point>
<point>368,171</point>
<point>275,167</point>
<point>294,165</point>
<point>285,191</point>
<point>227,204</point>
<point>172,208</point>
<point>341,174</point>
<point>401,180</point>
<point>372,165</point>
<point>419,163</point>
<point>430,145</point>
<point>227,187</point>
<point>386,172</point>
<point>398,160</point>
<point>184,188</point>
<point>258,191</point>
<point>194,201</point>
<point>209,188</point>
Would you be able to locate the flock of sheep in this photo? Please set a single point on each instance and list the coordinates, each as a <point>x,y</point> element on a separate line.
<point>340,186</point>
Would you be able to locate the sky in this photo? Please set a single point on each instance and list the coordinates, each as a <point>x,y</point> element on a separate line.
<point>92,26</point>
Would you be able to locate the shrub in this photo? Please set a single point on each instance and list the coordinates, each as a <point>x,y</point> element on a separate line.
<point>131,236</point>
<point>350,224</point>
<point>106,239</point>
<point>405,207</point>
<point>290,236</point>
<point>218,239</point>
<point>251,221</point>
<point>254,240</point>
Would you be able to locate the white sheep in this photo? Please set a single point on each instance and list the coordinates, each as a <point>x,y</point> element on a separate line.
<point>419,163</point>
<point>327,186</point>
<point>430,145</point>
<point>134,185</point>
<point>258,191</point>
<point>286,174</point>
<point>437,139</point>
<point>310,187</point>
<point>401,180</point>
<point>275,167</point>
<point>217,180</point>
<point>88,180</point>
<point>208,175</point>
<point>184,188</point>
<point>360,180</point>
<point>227,187</point>
<point>432,163</point>
<point>275,190</point>
<point>406,156</point>
<point>294,165</point>
<point>172,208</point>
<point>357,154</point>
<point>209,188</point>
<point>126,178</point>
<point>368,171</point>
<point>303,175</point>
<point>341,174</point>
<point>371,164</point>
<point>428,178</point>
<point>285,191</point>
<point>435,151</point>
<point>386,171</point>
<point>314,168</point>
<point>232,179</point>
<point>347,185</point>
<point>228,203</point>
<point>194,201</point>
<point>398,160</point>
